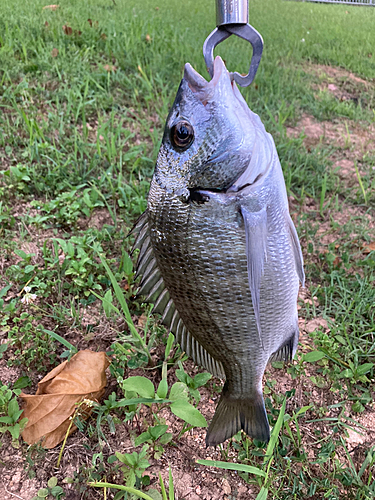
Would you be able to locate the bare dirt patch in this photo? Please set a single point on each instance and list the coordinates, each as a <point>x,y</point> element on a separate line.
<point>343,84</point>
<point>347,135</point>
<point>352,142</point>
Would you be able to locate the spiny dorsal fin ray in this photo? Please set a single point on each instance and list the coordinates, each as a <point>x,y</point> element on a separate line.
<point>149,280</point>
<point>140,228</point>
<point>296,247</point>
<point>161,301</point>
<point>256,251</point>
<point>143,262</point>
<point>155,291</point>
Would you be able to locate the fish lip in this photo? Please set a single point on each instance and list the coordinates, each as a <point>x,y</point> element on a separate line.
<point>205,192</point>
<point>237,189</point>
<point>198,83</point>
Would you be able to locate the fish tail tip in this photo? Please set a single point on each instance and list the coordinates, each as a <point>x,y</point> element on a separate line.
<point>233,415</point>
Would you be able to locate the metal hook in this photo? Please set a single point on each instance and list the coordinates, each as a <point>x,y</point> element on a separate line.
<point>231,18</point>
<point>244,31</point>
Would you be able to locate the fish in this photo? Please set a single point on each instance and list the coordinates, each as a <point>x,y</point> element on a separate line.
<point>219,255</point>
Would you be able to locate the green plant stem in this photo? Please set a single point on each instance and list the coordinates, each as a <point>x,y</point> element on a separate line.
<point>65,438</point>
<point>133,491</point>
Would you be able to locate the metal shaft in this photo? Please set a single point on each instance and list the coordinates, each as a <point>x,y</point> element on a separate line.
<point>232,12</point>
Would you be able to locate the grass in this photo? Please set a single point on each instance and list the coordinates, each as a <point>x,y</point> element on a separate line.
<point>84,93</point>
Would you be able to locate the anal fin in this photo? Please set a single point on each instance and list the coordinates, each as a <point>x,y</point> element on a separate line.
<point>287,350</point>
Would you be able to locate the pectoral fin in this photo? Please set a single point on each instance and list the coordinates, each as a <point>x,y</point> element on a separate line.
<point>256,251</point>
<point>298,259</point>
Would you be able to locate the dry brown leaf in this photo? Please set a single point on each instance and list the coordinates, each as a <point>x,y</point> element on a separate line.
<point>109,68</point>
<point>369,248</point>
<point>67,30</point>
<point>93,23</point>
<point>54,52</point>
<point>51,7</point>
<point>337,261</point>
<point>142,320</point>
<point>55,401</point>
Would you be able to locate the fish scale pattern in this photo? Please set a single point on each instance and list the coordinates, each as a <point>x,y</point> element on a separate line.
<point>202,258</point>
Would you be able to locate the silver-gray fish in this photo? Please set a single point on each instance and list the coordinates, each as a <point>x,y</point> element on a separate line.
<point>219,254</point>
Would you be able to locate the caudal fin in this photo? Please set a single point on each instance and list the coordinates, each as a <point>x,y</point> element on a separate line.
<point>233,415</point>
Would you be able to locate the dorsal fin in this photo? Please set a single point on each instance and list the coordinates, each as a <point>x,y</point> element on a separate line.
<point>153,287</point>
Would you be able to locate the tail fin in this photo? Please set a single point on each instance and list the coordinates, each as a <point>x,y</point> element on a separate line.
<point>233,415</point>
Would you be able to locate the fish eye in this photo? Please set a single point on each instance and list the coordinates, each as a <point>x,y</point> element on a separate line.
<point>182,135</point>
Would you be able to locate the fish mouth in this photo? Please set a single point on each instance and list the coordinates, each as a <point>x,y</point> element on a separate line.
<point>205,90</point>
<point>202,195</point>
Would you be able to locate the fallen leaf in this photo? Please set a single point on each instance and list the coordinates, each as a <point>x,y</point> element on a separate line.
<point>109,68</point>
<point>54,52</point>
<point>337,261</point>
<point>46,24</point>
<point>370,247</point>
<point>142,320</point>
<point>51,7</point>
<point>67,30</point>
<point>49,411</point>
<point>92,23</point>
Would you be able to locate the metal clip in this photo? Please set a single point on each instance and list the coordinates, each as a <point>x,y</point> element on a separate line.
<point>231,17</point>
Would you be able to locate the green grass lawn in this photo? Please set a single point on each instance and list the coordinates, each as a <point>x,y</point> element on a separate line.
<point>84,93</point>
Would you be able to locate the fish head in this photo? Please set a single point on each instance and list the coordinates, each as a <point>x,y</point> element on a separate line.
<point>209,135</point>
